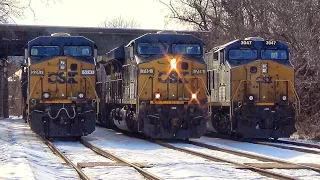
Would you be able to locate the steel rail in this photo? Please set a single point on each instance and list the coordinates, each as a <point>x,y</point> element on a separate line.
<point>56,151</point>
<point>300,149</point>
<point>253,156</point>
<point>213,158</point>
<point>111,156</point>
<point>298,143</point>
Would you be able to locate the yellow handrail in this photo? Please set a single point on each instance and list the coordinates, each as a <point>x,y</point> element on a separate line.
<point>296,97</point>
<point>32,90</point>
<point>295,94</point>
<point>138,97</point>
<point>96,94</point>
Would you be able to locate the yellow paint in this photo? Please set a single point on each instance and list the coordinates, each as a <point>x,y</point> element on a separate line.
<point>244,82</point>
<point>58,101</point>
<point>148,84</point>
<point>40,83</point>
<point>168,102</point>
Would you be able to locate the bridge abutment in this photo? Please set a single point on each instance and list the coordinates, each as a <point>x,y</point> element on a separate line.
<point>4,104</point>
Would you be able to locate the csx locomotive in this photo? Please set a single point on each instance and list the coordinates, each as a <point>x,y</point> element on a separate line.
<point>156,86</point>
<point>58,85</point>
<point>252,91</point>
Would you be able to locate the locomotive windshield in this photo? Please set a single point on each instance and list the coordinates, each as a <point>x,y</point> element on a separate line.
<point>274,54</point>
<point>152,48</point>
<point>45,51</point>
<point>192,49</point>
<point>247,54</point>
<point>77,51</point>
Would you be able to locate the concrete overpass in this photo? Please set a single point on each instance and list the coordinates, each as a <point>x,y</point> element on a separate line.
<point>14,37</point>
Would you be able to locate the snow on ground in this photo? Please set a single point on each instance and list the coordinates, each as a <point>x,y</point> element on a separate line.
<point>78,153</point>
<point>24,156</point>
<point>164,162</point>
<point>298,173</point>
<point>289,155</point>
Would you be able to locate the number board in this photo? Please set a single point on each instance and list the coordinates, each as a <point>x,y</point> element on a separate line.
<point>146,71</point>
<point>37,72</point>
<point>270,43</point>
<point>245,43</point>
<point>198,71</point>
<point>87,72</point>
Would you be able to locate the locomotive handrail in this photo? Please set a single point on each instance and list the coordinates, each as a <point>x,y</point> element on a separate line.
<point>32,90</point>
<point>207,91</point>
<point>294,92</point>
<point>138,97</point>
<point>232,98</point>
<point>205,88</point>
<point>234,94</point>
<point>96,94</point>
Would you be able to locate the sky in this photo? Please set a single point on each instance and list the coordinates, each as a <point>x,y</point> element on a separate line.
<point>150,14</point>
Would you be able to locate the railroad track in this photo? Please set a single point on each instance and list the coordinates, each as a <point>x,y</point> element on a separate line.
<point>256,167</point>
<point>119,161</point>
<point>298,144</point>
<point>276,143</point>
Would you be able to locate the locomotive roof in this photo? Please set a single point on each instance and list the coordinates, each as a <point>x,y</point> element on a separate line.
<point>117,54</point>
<point>259,44</point>
<point>167,37</point>
<point>60,40</point>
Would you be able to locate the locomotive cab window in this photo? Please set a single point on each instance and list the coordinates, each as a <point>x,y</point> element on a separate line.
<point>45,51</point>
<point>152,48</point>
<point>84,51</point>
<point>243,54</point>
<point>274,54</point>
<point>191,49</point>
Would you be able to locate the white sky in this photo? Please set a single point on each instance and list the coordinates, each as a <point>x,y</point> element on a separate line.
<point>150,14</point>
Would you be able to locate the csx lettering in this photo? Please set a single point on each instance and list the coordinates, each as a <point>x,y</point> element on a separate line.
<point>246,42</point>
<point>264,79</point>
<point>172,77</point>
<point>59,77</point>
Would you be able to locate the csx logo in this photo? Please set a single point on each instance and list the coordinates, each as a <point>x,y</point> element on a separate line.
<point>61,78</point>
<point>264,79</point>
<point>172,77</point>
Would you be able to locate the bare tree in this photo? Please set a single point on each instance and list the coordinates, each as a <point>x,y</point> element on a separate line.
<point>119,22</point>
<point>11,9</point>
<point>292,21</point>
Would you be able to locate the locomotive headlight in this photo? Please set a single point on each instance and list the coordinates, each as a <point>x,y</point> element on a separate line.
<point>63,64</point>
<point>81,95</point>
<point>250,98</point>
<point>284,97</point>
<point>173,63</point>
<point>157,95</point>
<point>46,95</point>
<point>264,67</point>
<point>193,96</point>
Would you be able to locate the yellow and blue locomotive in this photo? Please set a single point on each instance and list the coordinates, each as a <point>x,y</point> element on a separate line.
<point>156,86</point>
<point>252,91</point>
<point>58,85</point>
